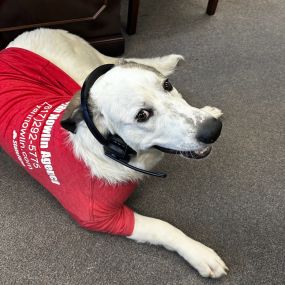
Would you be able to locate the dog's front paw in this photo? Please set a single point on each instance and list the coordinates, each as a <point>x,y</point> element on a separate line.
<point>206,261</point>
<point>215,112</point>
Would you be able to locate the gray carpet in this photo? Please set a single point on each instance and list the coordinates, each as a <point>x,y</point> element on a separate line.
<point>233,201</point>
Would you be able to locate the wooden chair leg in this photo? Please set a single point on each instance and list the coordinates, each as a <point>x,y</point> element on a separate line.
<point>212,5</point>
<point>132,16</point>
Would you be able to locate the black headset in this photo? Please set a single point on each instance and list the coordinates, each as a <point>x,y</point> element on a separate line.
<point>114,146</point>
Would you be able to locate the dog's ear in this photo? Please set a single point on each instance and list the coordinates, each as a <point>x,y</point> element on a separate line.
<point>73,114</point>
<point>166,65</point>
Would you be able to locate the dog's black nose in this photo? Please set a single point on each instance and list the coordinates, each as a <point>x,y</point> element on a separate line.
<point>209,131</point>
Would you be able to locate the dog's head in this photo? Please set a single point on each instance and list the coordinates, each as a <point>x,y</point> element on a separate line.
<point>139,103</point>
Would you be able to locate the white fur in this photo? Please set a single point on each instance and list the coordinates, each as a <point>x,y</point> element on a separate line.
<point>117,97</point>
<point>165,64</point>
<point>215,112</point>
<point>158,232</point>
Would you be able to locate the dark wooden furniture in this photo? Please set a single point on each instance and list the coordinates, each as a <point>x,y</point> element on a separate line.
<point>134,9</point>
<point>133,12</point>
<point>212,6</point>
<point>97,21</point>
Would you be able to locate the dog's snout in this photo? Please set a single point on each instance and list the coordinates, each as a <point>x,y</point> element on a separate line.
<point>209,131</point>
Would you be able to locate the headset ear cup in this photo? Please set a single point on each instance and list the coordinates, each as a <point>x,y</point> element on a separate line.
<point>117,148</point>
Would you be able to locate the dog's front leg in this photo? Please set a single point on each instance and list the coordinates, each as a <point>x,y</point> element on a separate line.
<point>158,232</point>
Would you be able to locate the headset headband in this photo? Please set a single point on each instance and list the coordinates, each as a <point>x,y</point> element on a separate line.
<point>93,76</point>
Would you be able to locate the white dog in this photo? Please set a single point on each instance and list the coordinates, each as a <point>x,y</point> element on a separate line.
<point>136,101</point>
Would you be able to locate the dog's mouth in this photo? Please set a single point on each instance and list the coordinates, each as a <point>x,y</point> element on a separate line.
<point>196,154</point>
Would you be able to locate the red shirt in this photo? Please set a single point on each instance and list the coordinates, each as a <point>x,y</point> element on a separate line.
<point>33,95</point>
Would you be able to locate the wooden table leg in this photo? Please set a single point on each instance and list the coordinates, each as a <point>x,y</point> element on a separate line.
<point>133,11</point>
<point>132,16</point>
<point>212,5</point>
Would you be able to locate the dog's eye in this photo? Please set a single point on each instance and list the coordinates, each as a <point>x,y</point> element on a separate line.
<point>167,85</point>
<point>143,115</point>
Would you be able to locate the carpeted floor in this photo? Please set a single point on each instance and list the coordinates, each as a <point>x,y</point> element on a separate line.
<point>233,201</point>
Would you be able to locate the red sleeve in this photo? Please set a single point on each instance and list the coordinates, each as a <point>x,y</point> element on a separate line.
<point>107,210</point>
<point>117,221</point>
